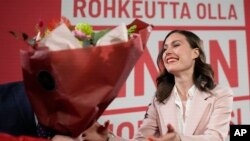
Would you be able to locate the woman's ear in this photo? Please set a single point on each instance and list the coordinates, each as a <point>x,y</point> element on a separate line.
<point>196,53</point>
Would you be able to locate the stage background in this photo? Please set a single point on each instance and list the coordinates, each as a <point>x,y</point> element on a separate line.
<point>223,25</point>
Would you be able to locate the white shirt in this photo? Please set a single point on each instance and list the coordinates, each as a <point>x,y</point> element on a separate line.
<point>182,113</point>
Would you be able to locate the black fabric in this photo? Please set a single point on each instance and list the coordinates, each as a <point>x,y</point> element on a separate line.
<point>44,132</point>
<point>16,115</point>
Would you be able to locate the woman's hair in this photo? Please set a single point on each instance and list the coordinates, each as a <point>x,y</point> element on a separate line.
<point>203,75</point>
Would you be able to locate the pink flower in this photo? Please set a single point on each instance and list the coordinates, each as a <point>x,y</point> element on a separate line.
<point>80,35</point>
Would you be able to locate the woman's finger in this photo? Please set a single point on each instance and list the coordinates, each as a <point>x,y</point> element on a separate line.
<point>170,128</point>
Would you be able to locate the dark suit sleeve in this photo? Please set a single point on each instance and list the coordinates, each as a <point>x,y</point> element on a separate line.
<point>7,137</point>
<point>16,115</point>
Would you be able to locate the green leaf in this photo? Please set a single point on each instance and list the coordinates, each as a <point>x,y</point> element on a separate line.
<point>132,29</point>
<point>31,42</point>
<point>86,43</point>
<point>97,35</point>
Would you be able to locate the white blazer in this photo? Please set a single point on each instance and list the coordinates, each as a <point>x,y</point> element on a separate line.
<point>209,119</point>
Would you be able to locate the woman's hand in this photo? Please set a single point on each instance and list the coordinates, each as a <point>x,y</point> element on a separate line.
<point>171,135</point>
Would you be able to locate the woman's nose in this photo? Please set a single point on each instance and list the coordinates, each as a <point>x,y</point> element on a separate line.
<point>168,50</point>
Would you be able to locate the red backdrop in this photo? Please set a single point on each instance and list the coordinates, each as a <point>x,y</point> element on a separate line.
<point>20,16</point>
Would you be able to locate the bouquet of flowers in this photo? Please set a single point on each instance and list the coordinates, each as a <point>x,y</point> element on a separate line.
<point>73,73</point>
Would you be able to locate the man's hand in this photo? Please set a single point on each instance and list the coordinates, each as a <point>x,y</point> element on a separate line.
<point>96,132</point>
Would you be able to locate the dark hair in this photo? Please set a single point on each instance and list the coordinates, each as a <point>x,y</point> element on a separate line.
<point>203,76</point>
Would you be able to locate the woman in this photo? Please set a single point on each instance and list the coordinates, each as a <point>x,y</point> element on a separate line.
<point>188,105</point>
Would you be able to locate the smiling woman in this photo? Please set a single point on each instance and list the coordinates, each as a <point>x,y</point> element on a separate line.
<point>188,104</point>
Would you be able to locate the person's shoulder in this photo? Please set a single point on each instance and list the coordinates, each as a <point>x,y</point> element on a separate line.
<point>12,84</point>
<point>222,90</point>
<point>12,87</point>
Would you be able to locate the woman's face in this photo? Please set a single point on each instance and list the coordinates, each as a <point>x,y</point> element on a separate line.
<point>179,57</point>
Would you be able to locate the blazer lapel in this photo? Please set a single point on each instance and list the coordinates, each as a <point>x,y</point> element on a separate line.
<point>167,114</point>
<point>200,102</point>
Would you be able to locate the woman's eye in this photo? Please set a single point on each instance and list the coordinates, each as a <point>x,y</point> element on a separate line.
<point>176,45</point>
